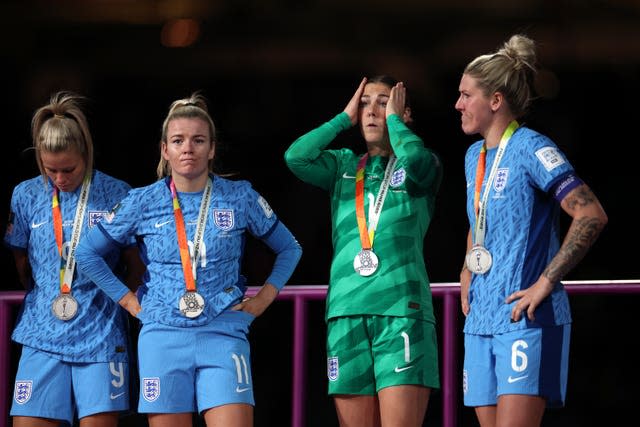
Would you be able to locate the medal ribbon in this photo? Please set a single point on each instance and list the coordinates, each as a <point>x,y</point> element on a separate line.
<point>480,171</point>
<point>189,264</point>
<point>366,235</point>
<point>67,269</point>
<point>481,209</point>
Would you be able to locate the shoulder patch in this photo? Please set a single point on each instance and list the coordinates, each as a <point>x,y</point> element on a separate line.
<point>268,212</point>
<point>550,158</point>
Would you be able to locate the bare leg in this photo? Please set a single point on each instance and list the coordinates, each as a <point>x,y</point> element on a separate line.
<point>34,422</point>
<point>183,419</point>
<point>518,410</point>
<point>231,415</point>
<point>487,415</point>
<point>403,405</point>
<point>357,411</point>
<point>103,419</point>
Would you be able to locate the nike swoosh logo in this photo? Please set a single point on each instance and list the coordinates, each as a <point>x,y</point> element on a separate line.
<point>115,396</point>
<point>404,368</point>
<point>344,175</point>
<point>511,380</point>
<point>160,224</point>
<point>242,389</point>
<point>36,225</point>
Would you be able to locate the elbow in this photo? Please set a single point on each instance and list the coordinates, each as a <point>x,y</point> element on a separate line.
<point>294,159</point>
<point>294,252</point>
<point>289,157</point>
<point>298,252</point>
<point>604,218</point>
<point>601,217</point>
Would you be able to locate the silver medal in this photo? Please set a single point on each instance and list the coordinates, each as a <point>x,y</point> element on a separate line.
<point>65,307</point>
<point>191,304</point>
<point>365,263</point>
<point>479,260</point>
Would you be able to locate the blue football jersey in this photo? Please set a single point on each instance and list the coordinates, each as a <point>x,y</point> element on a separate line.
<point>235,210</point>
<point>522,231</point>
<point>97,333</point>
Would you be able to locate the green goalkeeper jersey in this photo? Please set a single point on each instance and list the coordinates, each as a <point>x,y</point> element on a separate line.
<point>400,285</point>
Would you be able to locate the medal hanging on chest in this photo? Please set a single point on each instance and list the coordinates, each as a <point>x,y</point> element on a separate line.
<point>479,260</point>
<point>366,261</point>
<point>65,306</point>
<point>191,304</point>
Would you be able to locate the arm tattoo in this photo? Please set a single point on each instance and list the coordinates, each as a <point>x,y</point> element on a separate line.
<point>581,235</point>
<point>583,197</point>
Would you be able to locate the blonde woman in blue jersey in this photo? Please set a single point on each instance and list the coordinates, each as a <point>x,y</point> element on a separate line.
<point>74,361</point>
<point>382,354</point>
<point>518,320</point>
<point>191,225</point>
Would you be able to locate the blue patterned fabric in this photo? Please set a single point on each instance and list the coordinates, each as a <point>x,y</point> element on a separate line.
<point>522,231</point>
<point>97,332</point>
<point>147,213</point>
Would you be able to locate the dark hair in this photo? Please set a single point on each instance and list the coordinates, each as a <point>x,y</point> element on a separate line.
<point>390,82</point>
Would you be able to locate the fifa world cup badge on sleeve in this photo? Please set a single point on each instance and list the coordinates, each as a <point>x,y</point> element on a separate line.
<point>365,262</point>
<point>65,307</point>
<point>191,304</point>
<point>479,260</point>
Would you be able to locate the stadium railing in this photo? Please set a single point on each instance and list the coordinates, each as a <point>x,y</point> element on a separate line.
<point>301,295</point>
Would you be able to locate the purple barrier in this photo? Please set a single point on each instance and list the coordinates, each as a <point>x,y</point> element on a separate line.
<point>300,296</point>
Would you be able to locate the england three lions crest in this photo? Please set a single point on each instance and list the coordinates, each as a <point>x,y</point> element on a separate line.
<point>398,177</point>
<point>500,181</point>
<point>223,219</point>
<point>96,216</point>
<point>22,392</point>
<point>151,388</point>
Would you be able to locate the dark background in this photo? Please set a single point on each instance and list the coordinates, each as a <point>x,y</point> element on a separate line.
<point>273,70</point>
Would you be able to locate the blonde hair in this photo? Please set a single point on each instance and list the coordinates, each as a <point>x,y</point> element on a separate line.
<point>62,126</point>
<point>509,71</point>
<point>194,107</point>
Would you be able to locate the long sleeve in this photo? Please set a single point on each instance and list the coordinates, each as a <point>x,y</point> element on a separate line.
<point>308,160</point>
<point>90,260</point>
<point>422,165</point>
<point>288,253</point>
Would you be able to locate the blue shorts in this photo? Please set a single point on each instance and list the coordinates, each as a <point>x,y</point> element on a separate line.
<point>195,368</point>
<point>46,387</point>
<point>530,361</point>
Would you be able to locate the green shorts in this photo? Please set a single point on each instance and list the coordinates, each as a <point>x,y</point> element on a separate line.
<point>368,353</point>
